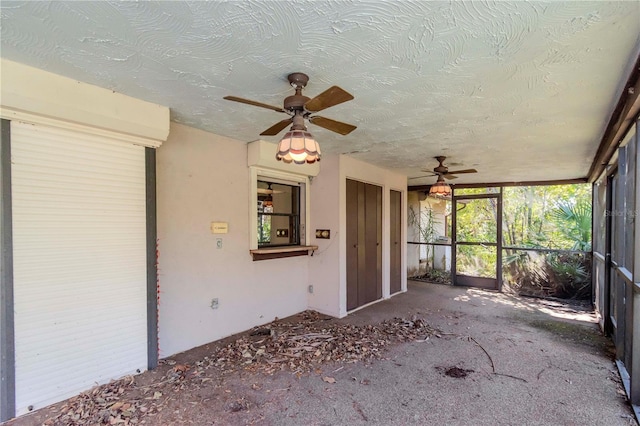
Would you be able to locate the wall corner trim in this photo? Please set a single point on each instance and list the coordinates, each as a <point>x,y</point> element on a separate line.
<point>152,265</point>
<point>7,336</point>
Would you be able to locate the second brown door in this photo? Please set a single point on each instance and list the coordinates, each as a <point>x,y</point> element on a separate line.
<point>395,239</point>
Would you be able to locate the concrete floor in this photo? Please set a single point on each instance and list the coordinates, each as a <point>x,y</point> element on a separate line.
<point>552,367</point>
<point>527,362</point>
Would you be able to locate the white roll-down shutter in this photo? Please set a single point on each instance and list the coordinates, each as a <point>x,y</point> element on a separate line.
<point>79,262</point>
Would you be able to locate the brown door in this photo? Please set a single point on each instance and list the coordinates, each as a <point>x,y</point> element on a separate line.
<point>352,243</point>
<point>395,249</point>
<point>364,250</point>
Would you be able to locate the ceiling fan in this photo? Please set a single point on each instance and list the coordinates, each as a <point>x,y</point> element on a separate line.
<point>300,107</point>
<point>269,191</point>
<point>443,171</point>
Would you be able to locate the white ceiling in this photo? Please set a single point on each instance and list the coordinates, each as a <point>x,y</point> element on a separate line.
<point>518,90</point>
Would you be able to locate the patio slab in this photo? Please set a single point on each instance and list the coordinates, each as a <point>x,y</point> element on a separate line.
<point>497,359</point>
<point>552,367</point>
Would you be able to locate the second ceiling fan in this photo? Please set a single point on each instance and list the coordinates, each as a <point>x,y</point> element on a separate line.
<point>443,171</point>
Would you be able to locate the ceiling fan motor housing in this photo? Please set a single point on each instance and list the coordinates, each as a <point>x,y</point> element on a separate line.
<point>441,169</point>
<point>295,102</point>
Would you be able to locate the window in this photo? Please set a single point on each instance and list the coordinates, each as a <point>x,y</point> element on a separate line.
<point>279,219</point>
<point>280,204</point>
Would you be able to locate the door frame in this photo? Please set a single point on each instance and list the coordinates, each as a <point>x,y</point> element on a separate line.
<point>476,281</point>
<point>609,326</point>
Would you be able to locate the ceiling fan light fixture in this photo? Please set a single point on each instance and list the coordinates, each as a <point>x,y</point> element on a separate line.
<point>268,203</point>
<point>440,188</point>
<point>299,147</point>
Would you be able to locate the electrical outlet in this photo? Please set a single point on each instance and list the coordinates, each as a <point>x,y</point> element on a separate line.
<point>310,288</point>
<point>214,303</point>
<point>323,233</point>
<point>219,243</point>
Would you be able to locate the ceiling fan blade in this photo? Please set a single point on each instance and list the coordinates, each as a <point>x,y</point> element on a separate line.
<point>462,171</point>
<point>254,103</point>
<point>449,176</point>
<point>333,125</point>
<point>269,191</point>
<point>276,128</point>
<point>330,97</point>
<point>418,177</point>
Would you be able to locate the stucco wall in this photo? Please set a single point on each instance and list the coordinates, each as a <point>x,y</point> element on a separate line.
<point>413,233</point>
<point>201,178</point>
<point>324,270</point>
<point>439,256</point>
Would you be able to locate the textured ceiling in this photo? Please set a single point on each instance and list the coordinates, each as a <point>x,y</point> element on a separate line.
<point>518,90</point>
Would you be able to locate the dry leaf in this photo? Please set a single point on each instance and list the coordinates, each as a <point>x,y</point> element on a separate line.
<point>301,346</point>
<point>116,406</point>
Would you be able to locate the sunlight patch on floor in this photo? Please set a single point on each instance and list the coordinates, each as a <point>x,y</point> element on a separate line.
<point>552,308</point>
<point>571,315</point>
<point>485,297</point>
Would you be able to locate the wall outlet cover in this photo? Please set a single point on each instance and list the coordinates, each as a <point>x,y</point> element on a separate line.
<point>323,233</point>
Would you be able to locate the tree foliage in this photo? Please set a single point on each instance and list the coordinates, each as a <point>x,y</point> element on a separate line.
<point>549,217</point>
<point>533,217</point>
<point>553,217</point>
<point>573,220</point>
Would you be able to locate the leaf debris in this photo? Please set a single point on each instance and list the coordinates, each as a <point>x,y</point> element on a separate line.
<point>300,346</point>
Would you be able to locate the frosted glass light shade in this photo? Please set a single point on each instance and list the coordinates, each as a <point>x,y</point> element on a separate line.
<point>299,147</point>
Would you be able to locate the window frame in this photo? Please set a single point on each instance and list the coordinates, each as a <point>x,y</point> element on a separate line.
<point>285,178</point>
<point>293,217</point>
